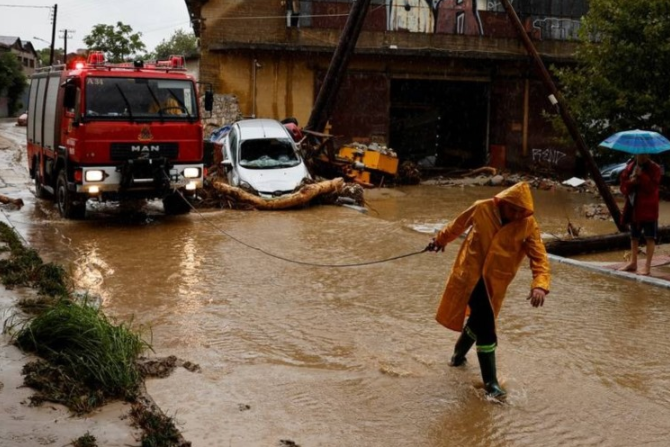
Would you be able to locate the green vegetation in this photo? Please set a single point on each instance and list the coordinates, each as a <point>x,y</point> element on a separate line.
<point>180,43</point>
<point>117,42</point>
<point>44,56</point>
<point>25,268</point>
<point>158,429</point>
<point>87,440</point>
<point>621,78</point>
<point>12,80</point>
<point>86,360</point>
<point>77,340</point>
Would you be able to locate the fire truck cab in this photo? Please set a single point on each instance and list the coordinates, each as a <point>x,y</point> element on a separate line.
<point>115,132</point>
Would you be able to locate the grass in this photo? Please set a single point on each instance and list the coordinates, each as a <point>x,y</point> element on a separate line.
<point>78,340</point>
<point>25,268</point>
<point>86,359</point>
<point>158,429</point>
<point>87,440</point>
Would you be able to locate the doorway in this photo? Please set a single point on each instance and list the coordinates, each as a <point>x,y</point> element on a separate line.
<point>440,123</point>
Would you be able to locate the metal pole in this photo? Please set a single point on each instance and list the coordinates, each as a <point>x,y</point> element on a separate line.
<point>338,66</point>
<point>53,35</point>
<point>557,99</point>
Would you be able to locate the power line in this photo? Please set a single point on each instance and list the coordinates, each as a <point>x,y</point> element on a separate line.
<point>26,6</point>
<point>301,16</point>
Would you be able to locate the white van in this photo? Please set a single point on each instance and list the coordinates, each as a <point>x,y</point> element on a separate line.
<point>260,156</point>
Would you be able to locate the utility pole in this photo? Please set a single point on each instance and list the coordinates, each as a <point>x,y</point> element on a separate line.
<point>323,106</point>
<point>557,100</point>
<point>53,34</point>
<point>66,35</point>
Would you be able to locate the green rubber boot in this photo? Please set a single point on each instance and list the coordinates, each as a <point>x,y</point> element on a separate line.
<point>463,345</point>
<point>487,364</point>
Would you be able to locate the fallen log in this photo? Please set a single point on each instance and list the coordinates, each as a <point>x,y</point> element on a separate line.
<point>297,199</point>
<point>595,244</point>
<point>485,170</point>
<point>17,202</point>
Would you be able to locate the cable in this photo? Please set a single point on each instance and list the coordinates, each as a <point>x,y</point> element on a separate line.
<point>293,261</point>
<point>26,6</point>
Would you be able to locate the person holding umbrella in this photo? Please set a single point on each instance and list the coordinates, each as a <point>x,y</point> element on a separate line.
<point>640,182</point>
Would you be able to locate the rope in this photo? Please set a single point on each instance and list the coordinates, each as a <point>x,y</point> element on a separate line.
<point>293,261</point>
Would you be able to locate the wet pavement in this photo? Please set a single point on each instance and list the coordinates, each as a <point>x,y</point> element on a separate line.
<point>329,356</point>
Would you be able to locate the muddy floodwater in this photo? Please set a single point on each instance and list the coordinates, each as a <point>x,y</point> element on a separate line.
<point>329,356</point>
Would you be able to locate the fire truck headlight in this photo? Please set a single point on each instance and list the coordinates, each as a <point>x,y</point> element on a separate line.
<point>93,190</point>
<point>191,173</point>
<point>94,176</point>
<point>191,186</point>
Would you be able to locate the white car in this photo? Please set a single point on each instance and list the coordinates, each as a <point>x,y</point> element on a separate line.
<point>260,156</point>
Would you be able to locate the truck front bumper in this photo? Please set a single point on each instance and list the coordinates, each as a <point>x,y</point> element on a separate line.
<point>144,177</point>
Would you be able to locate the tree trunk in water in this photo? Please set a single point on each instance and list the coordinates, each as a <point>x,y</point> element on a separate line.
<point>595,244</point>
<point>297,199</point>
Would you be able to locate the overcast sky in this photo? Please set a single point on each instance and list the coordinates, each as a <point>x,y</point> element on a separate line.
<point>155,19</point>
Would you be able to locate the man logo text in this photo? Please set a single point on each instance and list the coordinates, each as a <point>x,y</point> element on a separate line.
<point>151,148</point>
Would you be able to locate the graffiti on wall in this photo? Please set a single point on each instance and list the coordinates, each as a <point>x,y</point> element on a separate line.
<point>547,19</point>
<point>465,17</point>
<point>551,157</point>
<point>416,16</point>
<point>434,16</point>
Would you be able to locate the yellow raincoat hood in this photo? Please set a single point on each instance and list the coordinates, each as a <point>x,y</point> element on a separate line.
<point>518,195</point>
<point>492,251</point>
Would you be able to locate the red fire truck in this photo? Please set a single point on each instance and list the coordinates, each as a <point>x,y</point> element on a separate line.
<point>115,132</point>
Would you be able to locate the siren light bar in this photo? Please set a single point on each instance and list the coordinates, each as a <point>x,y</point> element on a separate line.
<point>174,61</point>
<point>96,58</point>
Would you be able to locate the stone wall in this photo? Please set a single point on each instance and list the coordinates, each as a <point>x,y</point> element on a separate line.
<point>226,110</point>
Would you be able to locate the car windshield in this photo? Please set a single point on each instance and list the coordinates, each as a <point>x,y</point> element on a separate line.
<point>141,98</point>
<point>268,153</point>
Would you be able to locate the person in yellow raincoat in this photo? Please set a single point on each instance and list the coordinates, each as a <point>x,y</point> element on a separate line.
<point>168,106</point>
<point>502,231</point>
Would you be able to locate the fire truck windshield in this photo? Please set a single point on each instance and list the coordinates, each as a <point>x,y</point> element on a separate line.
<point>115,98</point>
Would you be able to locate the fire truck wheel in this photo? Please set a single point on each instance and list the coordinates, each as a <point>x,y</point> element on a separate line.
<point>40,192</point>
<point>174,204</point>
<point>67,206</point>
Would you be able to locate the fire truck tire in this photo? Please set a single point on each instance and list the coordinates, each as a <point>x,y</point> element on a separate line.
<point>68,206</point>
<point>40,192</point>
<point>174,204</point>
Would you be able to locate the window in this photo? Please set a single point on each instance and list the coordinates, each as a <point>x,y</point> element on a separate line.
<point>460,22</point>
<point>268,153</point>
<point>110,98</point>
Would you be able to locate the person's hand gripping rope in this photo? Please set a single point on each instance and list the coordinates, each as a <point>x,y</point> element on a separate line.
<point>434,246</point>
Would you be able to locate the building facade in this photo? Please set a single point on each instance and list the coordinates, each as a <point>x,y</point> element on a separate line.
<point>443,78</point>
<point>28,58</point>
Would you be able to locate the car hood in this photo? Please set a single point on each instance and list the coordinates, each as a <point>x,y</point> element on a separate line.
<point>611,167</point>
<point>269,181</point>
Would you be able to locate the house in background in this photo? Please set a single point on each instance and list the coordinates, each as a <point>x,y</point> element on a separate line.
<point>27,55</point>
<point>447,79</point>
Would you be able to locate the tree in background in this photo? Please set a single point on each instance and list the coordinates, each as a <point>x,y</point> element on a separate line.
<point>45,53</point>
<point>621,79</point>
<point>181,43</point>
<point>12,80</point>
<point>116,42</point>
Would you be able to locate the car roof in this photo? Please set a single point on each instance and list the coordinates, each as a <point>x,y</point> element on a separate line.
<point>261,128</point>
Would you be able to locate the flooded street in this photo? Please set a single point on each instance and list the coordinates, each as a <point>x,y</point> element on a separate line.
<point>352,356</point>
<point>332,356</point>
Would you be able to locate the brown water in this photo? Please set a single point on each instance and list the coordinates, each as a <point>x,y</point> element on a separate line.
<point>353,356</point>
